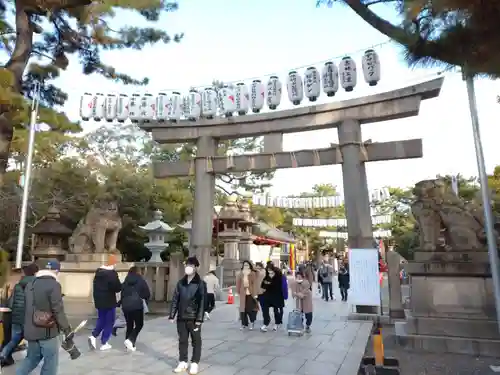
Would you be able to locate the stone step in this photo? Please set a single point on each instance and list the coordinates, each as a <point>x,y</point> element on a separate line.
<point>456,345</point>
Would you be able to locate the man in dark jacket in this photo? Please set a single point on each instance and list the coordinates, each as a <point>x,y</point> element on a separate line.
<point>188,305</point>
<point>17,305</point>
<point>135,291</point>
<point>44,294</point>
<point>106,285</point>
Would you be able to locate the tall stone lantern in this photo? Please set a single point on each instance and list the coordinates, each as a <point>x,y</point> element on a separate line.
<point>230,216</point>
<point>246,224</point>
<point>157,232</point>
<point>51,237</point>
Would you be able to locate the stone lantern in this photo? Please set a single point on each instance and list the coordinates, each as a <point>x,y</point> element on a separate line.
<point>246,224</point>
<point>157,232</point>
<point>51,237</point>
<point>230,216</point>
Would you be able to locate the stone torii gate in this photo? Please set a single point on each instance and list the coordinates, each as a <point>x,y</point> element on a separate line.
<point>347,116</point>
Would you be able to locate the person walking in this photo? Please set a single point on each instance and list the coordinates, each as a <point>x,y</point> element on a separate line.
<point>135,291</point>
<point>188,305</point>
<point>301,291</point>
<point>213,286</point>
<point>105,286</point>
<point>17,305</point>
<point>261,273</point>
<point>326,272</point>
<point>44,320</point>
<point>247,289</point>
<point>344,280</point>
<point>273,297</point>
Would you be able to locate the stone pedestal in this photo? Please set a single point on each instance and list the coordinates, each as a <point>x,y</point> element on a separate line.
<point>396,310</point>
<point>452,305</point>
<point>231,263</point>
<point>77,273</point>
<point>244,248</point>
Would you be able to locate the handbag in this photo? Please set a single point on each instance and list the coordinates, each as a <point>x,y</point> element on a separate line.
<point>42,319</point>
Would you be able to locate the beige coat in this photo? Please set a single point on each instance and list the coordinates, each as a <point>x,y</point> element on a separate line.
<point>253,287</point>
<point>303,296</point>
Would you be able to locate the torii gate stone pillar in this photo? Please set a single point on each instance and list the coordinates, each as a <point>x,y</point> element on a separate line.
<point>351,152</point>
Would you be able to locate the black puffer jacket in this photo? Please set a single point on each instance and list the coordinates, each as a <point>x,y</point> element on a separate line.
<point>134,290</point>
<point>106,285</point>
<point>188,301</point>
<point>17,302</point>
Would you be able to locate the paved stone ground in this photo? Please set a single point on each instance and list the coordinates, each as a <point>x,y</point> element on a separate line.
<point>335,346</point>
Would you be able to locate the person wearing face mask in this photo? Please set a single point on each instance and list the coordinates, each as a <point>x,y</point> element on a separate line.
<point>273,297</point>
<point>301,291</point>
<point>188,305</point>
<point>246,288</point>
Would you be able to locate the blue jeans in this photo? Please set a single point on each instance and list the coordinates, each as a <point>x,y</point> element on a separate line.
<point>16,338</point>
<point>48,350</point>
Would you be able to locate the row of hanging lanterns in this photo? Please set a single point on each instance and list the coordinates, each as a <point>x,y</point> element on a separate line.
<point>228,100</point>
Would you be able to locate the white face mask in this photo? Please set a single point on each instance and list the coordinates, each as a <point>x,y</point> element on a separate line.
<point>300,281</point>
<point>189,270</point>
<point>271,274</point>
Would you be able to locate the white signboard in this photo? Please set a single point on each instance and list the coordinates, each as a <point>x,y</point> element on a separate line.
<point>364,277</point>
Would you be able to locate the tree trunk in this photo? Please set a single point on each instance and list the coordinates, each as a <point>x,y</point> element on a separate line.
<point>16,65</point>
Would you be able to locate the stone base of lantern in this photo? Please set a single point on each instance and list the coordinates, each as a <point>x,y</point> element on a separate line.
<point>49,253</point>
<point>231,267</point>
<point>77,273</point>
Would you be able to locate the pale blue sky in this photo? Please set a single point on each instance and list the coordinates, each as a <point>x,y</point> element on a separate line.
<point>231,40</point>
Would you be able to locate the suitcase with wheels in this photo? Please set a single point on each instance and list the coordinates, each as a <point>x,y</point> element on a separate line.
<point>295,324</point>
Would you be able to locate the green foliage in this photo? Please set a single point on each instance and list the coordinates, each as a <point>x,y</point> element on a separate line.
<point>450,32</point>
<point>51,31</point>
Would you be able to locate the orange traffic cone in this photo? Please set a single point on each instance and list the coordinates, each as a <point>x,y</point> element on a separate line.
<point>230,297</point>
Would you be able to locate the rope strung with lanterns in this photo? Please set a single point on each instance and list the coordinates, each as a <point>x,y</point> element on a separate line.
<point>230,100</point>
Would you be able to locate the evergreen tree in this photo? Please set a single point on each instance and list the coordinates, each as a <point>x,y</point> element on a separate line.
<point>53,30</point>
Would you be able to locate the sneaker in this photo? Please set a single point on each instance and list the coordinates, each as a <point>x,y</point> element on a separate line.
<point>251,326</point>
<point>207,316</point>
<point>105,347</point>
<point>334,298</point>
<point>181,367</point>
<point>276,327</point>
<point>308,329</point>
<point>129,345</point>
<point>263,329</point>
<point>92,343</point>
<point>242,328</point>
<point>193,369</point>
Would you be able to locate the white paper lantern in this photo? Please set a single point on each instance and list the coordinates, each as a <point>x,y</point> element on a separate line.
<point>185,106</point>
<point>330,78</point>
<point>257,95</point>
<point>110,107</point>
<point>175,107</point>
<point>148,108</point>
<point>87,106</point>
<point>312,83</point>
<point>162,104</point>
<point>134,109</point>
<point>242,98</point>
<point>295,87</point>
<point>347,72</point>
<point>209,103</point>
<point>274,89</point>
<point>99,107</point>
<point>371,67</point>
<point>194,105</point>
<point>122,108</point>
<point>227,102</point>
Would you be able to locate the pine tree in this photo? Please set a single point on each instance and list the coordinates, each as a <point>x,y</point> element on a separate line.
<point>50,31</point>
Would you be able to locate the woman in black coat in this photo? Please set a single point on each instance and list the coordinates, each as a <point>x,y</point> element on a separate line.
<point>344,280</point>
<point>135,291</point>
<point>272,297</point>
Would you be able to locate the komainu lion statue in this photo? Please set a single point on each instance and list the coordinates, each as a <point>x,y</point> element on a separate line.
<point>98,231</point>
<point>441,214</point>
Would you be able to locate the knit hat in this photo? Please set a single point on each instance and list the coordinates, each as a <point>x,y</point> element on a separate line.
<point>112,260</point>
<point>49,264</point>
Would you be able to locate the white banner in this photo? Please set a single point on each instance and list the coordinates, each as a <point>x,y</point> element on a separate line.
<point>364,277</point>
<point>335,222</point>
<point>376,234</point>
